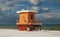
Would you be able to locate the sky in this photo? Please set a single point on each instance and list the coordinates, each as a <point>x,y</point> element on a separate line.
<point>48,10</point>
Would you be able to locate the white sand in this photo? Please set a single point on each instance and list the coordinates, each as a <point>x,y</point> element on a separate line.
<point>15,33</point>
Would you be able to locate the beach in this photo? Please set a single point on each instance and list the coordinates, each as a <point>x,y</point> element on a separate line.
<point>16,33</point>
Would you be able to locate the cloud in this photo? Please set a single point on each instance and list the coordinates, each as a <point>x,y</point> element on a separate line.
<point>6,5</point>
<point>48,18</point>
<point>18,5</point>
<point>10,5</point>
<point>54,1</point>
<point>35,2</point>
<point>4,9</point>
<point>7,9</point>
<point>35,8</point>
<point>47,15</point>
<point>45,9</point>
<point>50,15</point>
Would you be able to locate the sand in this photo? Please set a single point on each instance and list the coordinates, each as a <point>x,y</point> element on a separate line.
<point>16,33</point>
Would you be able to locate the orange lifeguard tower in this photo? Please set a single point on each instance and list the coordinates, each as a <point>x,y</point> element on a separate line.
<point>26,20</point>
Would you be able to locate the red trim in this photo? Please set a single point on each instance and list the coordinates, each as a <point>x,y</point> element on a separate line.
<point>22,27</point>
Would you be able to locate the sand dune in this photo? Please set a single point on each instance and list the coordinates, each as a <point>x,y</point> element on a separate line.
<point>15,33</point>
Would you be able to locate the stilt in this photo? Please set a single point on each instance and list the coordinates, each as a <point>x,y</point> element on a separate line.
<point>40,28</point>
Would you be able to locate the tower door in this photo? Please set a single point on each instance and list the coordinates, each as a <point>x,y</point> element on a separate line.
<point>31,17</point>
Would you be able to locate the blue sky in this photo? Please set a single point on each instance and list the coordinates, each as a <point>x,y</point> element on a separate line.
<point>49,10</point>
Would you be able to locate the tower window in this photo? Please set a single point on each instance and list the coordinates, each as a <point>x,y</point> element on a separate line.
<point>31,16</point>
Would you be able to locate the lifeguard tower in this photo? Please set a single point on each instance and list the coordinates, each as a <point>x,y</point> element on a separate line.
<point>26,21</point>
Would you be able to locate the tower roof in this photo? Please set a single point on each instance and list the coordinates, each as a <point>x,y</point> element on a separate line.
<point>27,11</point>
